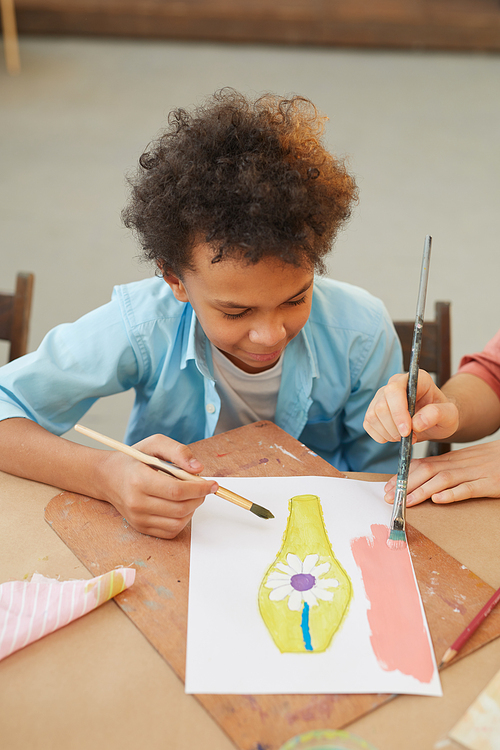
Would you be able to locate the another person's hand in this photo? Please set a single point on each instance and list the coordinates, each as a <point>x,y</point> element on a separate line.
<point>388,419</point>
<point>458,475</point>
<point>151,501</point>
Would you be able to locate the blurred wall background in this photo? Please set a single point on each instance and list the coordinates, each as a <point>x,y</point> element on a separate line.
<point>419,129</point>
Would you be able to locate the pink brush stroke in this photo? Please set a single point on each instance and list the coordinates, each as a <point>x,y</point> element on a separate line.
<point>398,634</point>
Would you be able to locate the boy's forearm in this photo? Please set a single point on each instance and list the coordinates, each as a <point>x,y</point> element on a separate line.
<point>27,450</point>
<point>478,407</point>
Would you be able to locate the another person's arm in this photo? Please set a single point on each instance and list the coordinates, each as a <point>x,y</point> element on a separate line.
<point>467,409</point>
<point>458,475</point>
<point>388,419</point>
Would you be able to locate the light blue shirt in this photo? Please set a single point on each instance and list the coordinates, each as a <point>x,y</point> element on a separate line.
<point>147,340</point>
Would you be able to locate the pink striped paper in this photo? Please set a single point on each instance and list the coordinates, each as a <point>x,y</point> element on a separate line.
<point>31,609</point>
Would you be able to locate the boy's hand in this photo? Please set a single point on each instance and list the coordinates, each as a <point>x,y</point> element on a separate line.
<point>458,475</point>
<point>388,419</point>
<point>151,501</point>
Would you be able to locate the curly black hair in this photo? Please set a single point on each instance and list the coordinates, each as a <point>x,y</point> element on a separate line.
<point>250,178</point>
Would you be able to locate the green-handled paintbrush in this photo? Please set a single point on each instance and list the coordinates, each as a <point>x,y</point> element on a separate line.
<point>397,535</point>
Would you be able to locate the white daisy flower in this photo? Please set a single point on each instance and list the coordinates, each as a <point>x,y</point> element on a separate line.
<point>301,582</point>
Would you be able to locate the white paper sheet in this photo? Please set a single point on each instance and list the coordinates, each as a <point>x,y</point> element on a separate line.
<point>229,648</point>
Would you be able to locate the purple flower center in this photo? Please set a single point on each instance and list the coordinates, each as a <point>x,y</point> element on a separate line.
<point>302,581</point>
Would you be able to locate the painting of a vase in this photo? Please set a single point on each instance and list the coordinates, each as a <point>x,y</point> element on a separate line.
<point>305,594</point>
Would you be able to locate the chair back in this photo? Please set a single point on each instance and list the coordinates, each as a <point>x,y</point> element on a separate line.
<point>15,310</point>
<point>435,354</point>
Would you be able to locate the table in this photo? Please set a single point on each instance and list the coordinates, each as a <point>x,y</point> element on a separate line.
<point>99,684</point>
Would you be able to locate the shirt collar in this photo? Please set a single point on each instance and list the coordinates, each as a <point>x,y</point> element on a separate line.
<point>302,346</point>
<point>195,345</point>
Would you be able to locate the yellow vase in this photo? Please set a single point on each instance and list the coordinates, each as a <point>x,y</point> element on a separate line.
<point>305,594</point>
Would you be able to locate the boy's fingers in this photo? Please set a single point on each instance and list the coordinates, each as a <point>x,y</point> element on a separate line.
<point>152,483</point>
<point>180,490</point>
<point>161,527</point>
<point>183,457</point>
<point>167,449</point>
<point>170,508</point>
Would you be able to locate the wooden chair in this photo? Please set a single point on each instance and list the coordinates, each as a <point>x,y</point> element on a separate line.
<point>435,354</point>
<point>15,312</point>
<point>10,41</point>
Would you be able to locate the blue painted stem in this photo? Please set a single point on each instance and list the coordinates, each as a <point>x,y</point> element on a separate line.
<point>304,624</point>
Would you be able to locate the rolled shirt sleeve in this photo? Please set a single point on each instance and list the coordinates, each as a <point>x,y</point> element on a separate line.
<point>75,364</point>
<point>485,364</point>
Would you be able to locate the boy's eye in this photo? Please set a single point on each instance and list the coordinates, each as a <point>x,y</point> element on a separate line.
<point>297,301</point>
<point>234,316</point>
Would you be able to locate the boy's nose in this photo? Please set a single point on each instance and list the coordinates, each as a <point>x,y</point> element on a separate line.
<point>268,333</point>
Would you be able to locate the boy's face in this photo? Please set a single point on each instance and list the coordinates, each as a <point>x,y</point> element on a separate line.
<point>248,311</point>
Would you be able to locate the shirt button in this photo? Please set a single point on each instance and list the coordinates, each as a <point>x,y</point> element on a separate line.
<point>210,408</point>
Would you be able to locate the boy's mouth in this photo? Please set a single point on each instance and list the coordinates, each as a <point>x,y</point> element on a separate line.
<point>264,357</point>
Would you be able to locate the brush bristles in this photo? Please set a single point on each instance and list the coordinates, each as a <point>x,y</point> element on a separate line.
<point>397,539</point>
<point>260,511</point>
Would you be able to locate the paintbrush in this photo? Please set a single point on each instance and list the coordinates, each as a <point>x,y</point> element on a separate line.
<point>397,535</point>
<point>175,471</point>
<point>470,629</point>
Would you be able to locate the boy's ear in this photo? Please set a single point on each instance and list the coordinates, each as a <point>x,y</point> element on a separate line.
<point>176,286</point>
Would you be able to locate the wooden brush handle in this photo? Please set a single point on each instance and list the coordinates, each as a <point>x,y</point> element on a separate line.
<point>157,463</point>
<point>234,498</point>
<point>145,458</point>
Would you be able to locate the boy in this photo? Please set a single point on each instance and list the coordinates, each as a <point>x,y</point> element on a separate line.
<point>237,204</point>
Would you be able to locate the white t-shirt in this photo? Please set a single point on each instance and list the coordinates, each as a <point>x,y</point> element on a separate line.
<point>245,397</point>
